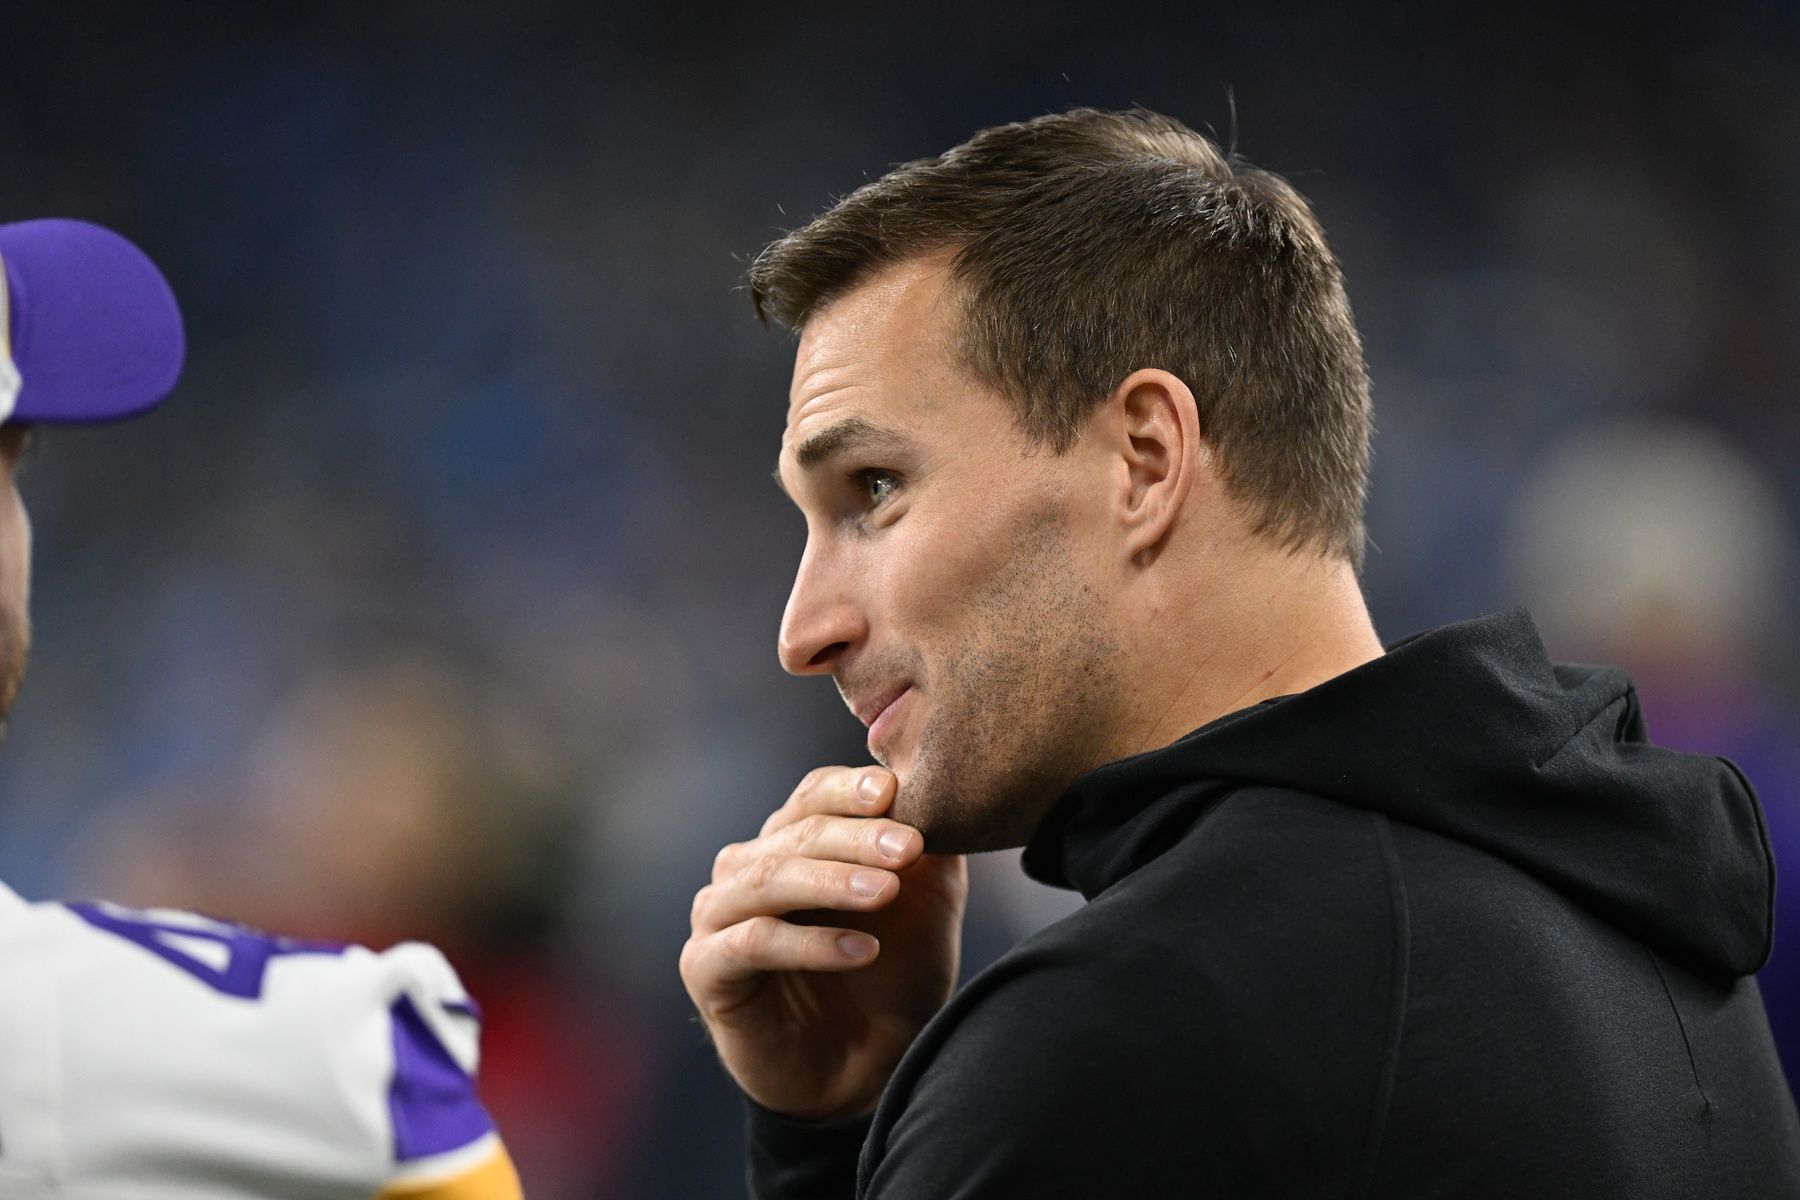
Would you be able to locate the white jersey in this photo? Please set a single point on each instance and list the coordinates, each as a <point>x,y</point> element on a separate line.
<point>158,1055</point>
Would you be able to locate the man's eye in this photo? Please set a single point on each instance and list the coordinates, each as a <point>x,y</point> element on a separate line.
<point>878,486</point>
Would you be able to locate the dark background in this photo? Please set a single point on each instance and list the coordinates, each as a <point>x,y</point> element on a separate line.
<point>440,601</point>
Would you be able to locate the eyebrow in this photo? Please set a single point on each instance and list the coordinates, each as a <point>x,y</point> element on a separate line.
<point>851,433</point>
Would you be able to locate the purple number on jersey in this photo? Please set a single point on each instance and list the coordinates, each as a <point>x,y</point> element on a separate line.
<point>246,952</point>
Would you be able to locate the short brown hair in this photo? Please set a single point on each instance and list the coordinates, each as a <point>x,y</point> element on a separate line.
<point>1090,244</point>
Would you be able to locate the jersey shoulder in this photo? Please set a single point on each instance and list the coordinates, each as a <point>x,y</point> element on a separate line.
<point>264,1058</point>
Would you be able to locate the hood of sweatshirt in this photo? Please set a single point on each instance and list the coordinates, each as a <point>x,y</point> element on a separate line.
<point>1468,731</point>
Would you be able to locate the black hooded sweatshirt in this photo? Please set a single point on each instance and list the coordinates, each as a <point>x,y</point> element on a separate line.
<point>1444,926</point>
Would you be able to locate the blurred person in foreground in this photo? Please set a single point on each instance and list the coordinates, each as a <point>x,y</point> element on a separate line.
<point>1079,426</point>
<point>156,1053</point>
<point>414,798</point>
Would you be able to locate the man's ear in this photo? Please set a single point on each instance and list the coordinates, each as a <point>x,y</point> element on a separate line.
<point>1153,428</point>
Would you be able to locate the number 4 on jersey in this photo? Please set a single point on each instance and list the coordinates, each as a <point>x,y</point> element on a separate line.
<point>228,958</point>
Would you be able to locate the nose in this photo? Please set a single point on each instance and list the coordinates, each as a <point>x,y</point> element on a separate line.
<point>822,621</point>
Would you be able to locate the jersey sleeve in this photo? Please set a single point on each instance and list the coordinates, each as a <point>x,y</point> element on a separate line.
<point>165,1055</point>
<point>444,1143</point>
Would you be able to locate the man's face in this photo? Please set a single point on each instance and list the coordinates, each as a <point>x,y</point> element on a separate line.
<point>15,569</point>
<point>951,579</point>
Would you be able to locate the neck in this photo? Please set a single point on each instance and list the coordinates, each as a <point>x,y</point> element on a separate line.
<point>1278,624</point>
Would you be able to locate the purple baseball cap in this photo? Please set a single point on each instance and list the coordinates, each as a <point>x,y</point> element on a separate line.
<point>92,327</point>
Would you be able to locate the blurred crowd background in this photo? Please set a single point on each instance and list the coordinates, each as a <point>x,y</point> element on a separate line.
<point>440,602</point>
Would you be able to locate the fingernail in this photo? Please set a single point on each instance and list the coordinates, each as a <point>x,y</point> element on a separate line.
<point>869,787</point>
<point>868,883</point>
<point>855,945</point>
<point>893,842</point>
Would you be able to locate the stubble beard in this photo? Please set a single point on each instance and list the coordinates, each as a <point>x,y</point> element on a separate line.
<point>1021,709</point>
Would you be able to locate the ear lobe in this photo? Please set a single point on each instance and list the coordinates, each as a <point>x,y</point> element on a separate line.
<point>1158,440</point>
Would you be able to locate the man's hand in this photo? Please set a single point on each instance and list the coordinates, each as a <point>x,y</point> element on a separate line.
<point>822,946</point>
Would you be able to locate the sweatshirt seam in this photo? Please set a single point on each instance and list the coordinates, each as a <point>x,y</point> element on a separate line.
<point>1399,970</point>
<point>1706,1104</point>
<point>1586,723</point>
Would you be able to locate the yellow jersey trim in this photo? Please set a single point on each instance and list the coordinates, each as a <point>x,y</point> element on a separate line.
<point>493,1178</point>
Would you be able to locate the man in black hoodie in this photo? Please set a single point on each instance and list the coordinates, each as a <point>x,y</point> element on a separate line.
<point>1079,425</point>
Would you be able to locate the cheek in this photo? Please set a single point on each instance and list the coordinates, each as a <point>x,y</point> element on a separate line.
<point>947,567</point>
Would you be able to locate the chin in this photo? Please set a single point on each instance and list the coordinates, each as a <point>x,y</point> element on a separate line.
<point>976,817</point>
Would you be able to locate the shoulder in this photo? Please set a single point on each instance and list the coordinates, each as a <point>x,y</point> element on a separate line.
<point>1266,882</point>
<point>305,1059</point>
<point>1227,1007</point>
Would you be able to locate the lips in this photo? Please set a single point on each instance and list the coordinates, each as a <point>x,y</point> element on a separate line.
<point>882,727</point>
<point>869,711</point>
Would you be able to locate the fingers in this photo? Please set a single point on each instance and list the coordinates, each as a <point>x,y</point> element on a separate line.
<point>844,791</point>
<point>871,841</point>
<point>826,849</point>
<point>713,963</point>
<point>776,884</point>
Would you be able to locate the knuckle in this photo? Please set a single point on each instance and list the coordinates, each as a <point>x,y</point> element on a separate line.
<point>821,782</point>
<point>811,943</point>
<point>868,839</point>
<point>749,938</point>
<point>810,831</point>
<point>724,859</point>
<point>762,872</point>
<point>702,901</point>
<point>739,940</point>
<point>690,952</point>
